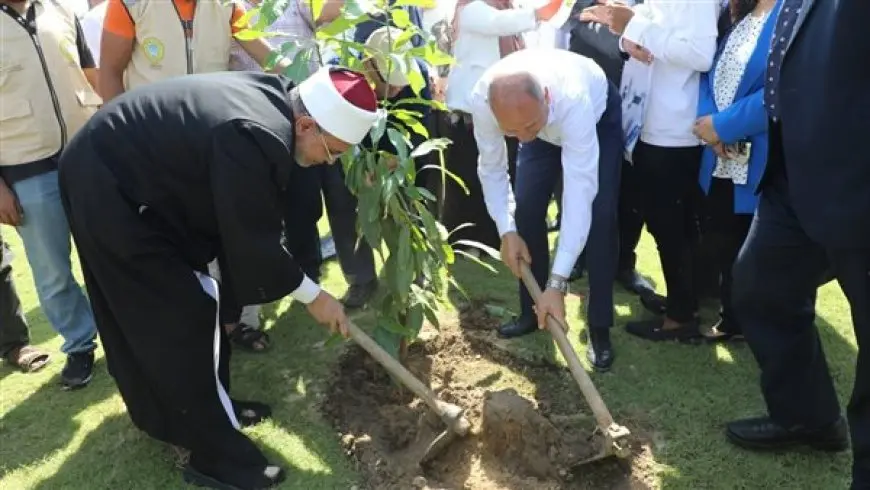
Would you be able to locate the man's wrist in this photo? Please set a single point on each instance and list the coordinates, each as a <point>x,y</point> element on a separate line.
<point>558,283</point>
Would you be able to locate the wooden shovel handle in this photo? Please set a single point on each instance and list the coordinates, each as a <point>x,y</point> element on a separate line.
<point>450,414</point>
<point>593,398</point>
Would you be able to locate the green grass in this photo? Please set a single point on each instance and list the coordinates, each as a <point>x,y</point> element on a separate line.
<point>681,395</point>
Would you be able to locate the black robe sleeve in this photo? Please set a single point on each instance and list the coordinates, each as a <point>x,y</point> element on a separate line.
<point>247,160</point>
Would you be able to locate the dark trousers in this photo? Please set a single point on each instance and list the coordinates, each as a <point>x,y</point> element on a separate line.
<point>13,329</point>
<point>630,225</point>
<point>355,256</point>
<point>665,183</point>
<point>725,233</point>
<point>539,167</point>
<point>776,277</point>
<point>460,207</point>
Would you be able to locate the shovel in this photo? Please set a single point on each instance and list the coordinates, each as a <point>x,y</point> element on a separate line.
<point>452,415</point>
<point>613,433</point>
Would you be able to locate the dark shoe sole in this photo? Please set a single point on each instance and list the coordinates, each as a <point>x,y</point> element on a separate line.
<point>825,446</point>
<point>197,479</point>
<point>77,385</point>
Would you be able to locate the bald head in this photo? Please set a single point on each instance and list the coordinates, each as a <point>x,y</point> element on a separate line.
<point>519,103</point>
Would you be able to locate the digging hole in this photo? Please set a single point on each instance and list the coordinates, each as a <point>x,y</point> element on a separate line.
<point>530,424</point>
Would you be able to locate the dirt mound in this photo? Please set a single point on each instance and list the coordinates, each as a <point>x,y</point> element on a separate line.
<point>521,437</point>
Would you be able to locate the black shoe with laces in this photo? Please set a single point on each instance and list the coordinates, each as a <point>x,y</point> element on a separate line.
<point>600,353</point>
<point>78,371</point>
<point>359,294</point>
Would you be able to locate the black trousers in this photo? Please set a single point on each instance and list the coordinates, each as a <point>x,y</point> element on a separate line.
<point>630,224</point>
<point>539,167</point>
<point>460,207</point>
<point>664,181</point>
<point>724,232</point>
<point>776,277</point>
<point>13,329</point>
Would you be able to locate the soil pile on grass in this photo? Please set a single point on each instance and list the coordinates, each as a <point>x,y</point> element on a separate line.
<point>518,440</point>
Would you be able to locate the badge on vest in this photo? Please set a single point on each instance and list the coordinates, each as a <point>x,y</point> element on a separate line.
<point>69,51</point>
<point>153,50</point>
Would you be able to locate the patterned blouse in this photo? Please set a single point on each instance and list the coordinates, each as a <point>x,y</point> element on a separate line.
<point>296,24</point>
<point>729,72</point>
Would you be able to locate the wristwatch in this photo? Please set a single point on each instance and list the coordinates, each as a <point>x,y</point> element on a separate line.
<point>558,283</point>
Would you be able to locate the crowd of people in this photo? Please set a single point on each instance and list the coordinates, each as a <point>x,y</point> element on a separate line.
<point>192,183</point>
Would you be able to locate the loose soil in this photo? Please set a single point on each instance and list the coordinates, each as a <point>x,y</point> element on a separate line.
<point>530,423</point>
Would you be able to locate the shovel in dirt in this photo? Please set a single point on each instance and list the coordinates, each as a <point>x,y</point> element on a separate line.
<point>614,434</point>
<point>452,415</point>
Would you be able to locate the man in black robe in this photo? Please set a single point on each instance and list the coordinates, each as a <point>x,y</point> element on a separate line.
<point>160,182</point>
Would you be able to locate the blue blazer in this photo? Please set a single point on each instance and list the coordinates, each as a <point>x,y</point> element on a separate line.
<point>744,119</point>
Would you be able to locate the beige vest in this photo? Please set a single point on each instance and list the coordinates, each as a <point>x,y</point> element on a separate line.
<point>161,50</point>
<point>41,106</point>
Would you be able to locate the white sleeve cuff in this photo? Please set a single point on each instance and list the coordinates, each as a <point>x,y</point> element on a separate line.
<point>307,291</point>
<point>506,226</point>
<point>635,29</point>
<point>563,263</point>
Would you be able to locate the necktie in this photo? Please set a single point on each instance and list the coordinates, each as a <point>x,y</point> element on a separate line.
<point>782,33</point>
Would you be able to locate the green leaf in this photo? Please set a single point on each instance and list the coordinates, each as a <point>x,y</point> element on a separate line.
<point>428,146</point>
<point>333,340</point>
<point>316,8</point>
<point>393,326</point>
<point>245,19</point>
<point>399,142</point>
<point>450,174</point>
<point>377,131</point>
<point>388,340</point>
<point>300,68</point>
<point>477,260</point>
<point>480,246</point>
<point>403,38</point>
<point>339,26</point>
<point>414,320</point>
<point>426,4</point>
<point>251,34</point>
<point>426,194</point>
<point>412,123</point>
<point>415,78</point>
<point>401,18</point>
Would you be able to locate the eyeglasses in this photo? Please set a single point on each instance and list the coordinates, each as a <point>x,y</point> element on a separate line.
<point>332,158</point>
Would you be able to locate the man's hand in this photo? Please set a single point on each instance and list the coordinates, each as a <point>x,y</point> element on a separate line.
<point>637,52</point>
<point>329,312</point>
<point>550,302</point>
<point>704,130</point>
<point>514,252</point>
<point>10,210</point>
<point>614,15</point>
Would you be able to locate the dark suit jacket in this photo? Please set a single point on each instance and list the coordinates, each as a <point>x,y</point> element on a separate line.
<point>595,41</point>
<point>825,107</point>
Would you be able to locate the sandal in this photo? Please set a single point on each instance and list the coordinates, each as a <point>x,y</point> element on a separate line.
<point>27,358</point>
<point>249,338</point>
<point>250,413</point>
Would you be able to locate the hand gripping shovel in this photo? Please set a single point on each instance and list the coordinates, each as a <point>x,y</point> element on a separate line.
<point>613,433</point>
<point>452,415</point>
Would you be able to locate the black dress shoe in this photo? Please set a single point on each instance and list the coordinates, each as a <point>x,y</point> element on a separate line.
<point>634,282</point>
<point>763,434</point>
<point>518,327</point>
<point>653,329</point>
<point>654,303</point>
<point>600,353</point>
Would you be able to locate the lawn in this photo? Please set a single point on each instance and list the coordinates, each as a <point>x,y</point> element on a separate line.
<point>51,439</point>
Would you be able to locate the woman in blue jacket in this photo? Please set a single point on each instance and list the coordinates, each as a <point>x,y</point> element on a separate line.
<point>733,124</point>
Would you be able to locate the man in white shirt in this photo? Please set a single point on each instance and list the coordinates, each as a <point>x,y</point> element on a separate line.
<point>567,117</point>
<point>677,42</point>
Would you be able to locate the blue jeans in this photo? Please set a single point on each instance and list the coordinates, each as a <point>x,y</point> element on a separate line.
<point>46,237</point>
<point>539,169</point>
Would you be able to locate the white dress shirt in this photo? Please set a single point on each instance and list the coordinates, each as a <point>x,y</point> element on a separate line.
<point>681,35</point>
<point>92,27</point>
<point>577,90</point>
<point>477,46</point>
